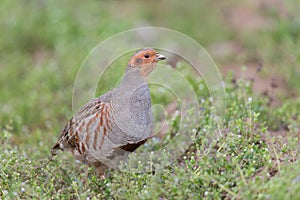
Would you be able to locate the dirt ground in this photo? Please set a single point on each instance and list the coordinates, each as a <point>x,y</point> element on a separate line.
<point>248,18</point>
<point>245,18</point>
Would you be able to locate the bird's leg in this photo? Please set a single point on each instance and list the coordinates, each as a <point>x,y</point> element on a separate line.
<point>100,170</point>
<point>86,175</point>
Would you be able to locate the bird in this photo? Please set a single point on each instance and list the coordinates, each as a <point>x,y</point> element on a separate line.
<point>107,128</point>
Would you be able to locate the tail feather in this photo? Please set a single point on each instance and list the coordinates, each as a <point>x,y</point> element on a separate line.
<point>55,148</point>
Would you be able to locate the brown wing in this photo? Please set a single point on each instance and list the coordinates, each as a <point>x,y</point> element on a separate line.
<point>132,147</point>
<point>87,116</point>
<point>88,130</point>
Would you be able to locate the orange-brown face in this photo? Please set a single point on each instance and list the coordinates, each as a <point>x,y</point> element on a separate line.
<point>146,59</point>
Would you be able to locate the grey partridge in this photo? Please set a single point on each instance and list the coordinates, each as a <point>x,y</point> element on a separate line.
<point>107,128</point>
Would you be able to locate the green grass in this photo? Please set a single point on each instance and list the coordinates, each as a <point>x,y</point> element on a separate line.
<point>254,155</point>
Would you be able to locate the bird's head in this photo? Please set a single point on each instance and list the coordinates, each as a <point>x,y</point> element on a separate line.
<point>146,59</point>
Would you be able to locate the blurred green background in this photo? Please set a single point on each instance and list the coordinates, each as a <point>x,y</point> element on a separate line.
<point>43,44</point>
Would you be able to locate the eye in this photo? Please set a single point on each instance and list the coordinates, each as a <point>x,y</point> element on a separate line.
<point>146,55</point>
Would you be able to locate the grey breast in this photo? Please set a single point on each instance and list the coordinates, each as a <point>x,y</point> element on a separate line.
<point>140,106</point>
<point>132,107</point>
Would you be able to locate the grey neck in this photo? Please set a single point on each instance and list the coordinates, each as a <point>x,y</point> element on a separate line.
<point>132,104</point>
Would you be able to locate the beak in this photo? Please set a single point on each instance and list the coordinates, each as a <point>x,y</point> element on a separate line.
<point>160,57</point>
